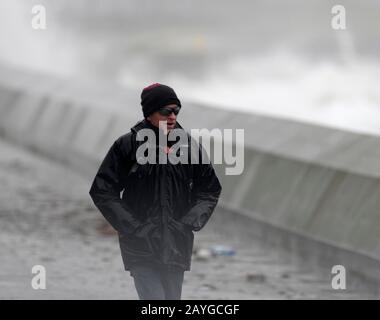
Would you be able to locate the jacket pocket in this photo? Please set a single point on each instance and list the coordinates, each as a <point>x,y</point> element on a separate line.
<point>135,246</point>
<point>181,240</point>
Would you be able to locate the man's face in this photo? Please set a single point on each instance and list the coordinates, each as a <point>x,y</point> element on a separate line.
<point>171,119</point>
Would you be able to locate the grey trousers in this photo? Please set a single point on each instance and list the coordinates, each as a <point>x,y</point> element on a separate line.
<point>154,282</point>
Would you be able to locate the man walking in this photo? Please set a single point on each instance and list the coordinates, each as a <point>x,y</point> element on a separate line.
<point>162,203</point>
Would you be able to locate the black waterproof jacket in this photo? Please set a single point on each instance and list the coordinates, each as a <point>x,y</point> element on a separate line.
<point>154,207</point>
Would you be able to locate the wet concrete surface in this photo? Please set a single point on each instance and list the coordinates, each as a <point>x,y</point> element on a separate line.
<point>47,218</point>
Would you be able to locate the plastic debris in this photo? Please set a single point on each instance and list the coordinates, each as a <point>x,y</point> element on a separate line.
<point>221,250</point>
<point>202,254</point>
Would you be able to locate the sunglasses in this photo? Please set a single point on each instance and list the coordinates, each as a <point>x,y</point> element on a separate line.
<point>166,111</point>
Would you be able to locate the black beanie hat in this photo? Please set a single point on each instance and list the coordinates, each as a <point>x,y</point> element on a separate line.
<point>156,96</point>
